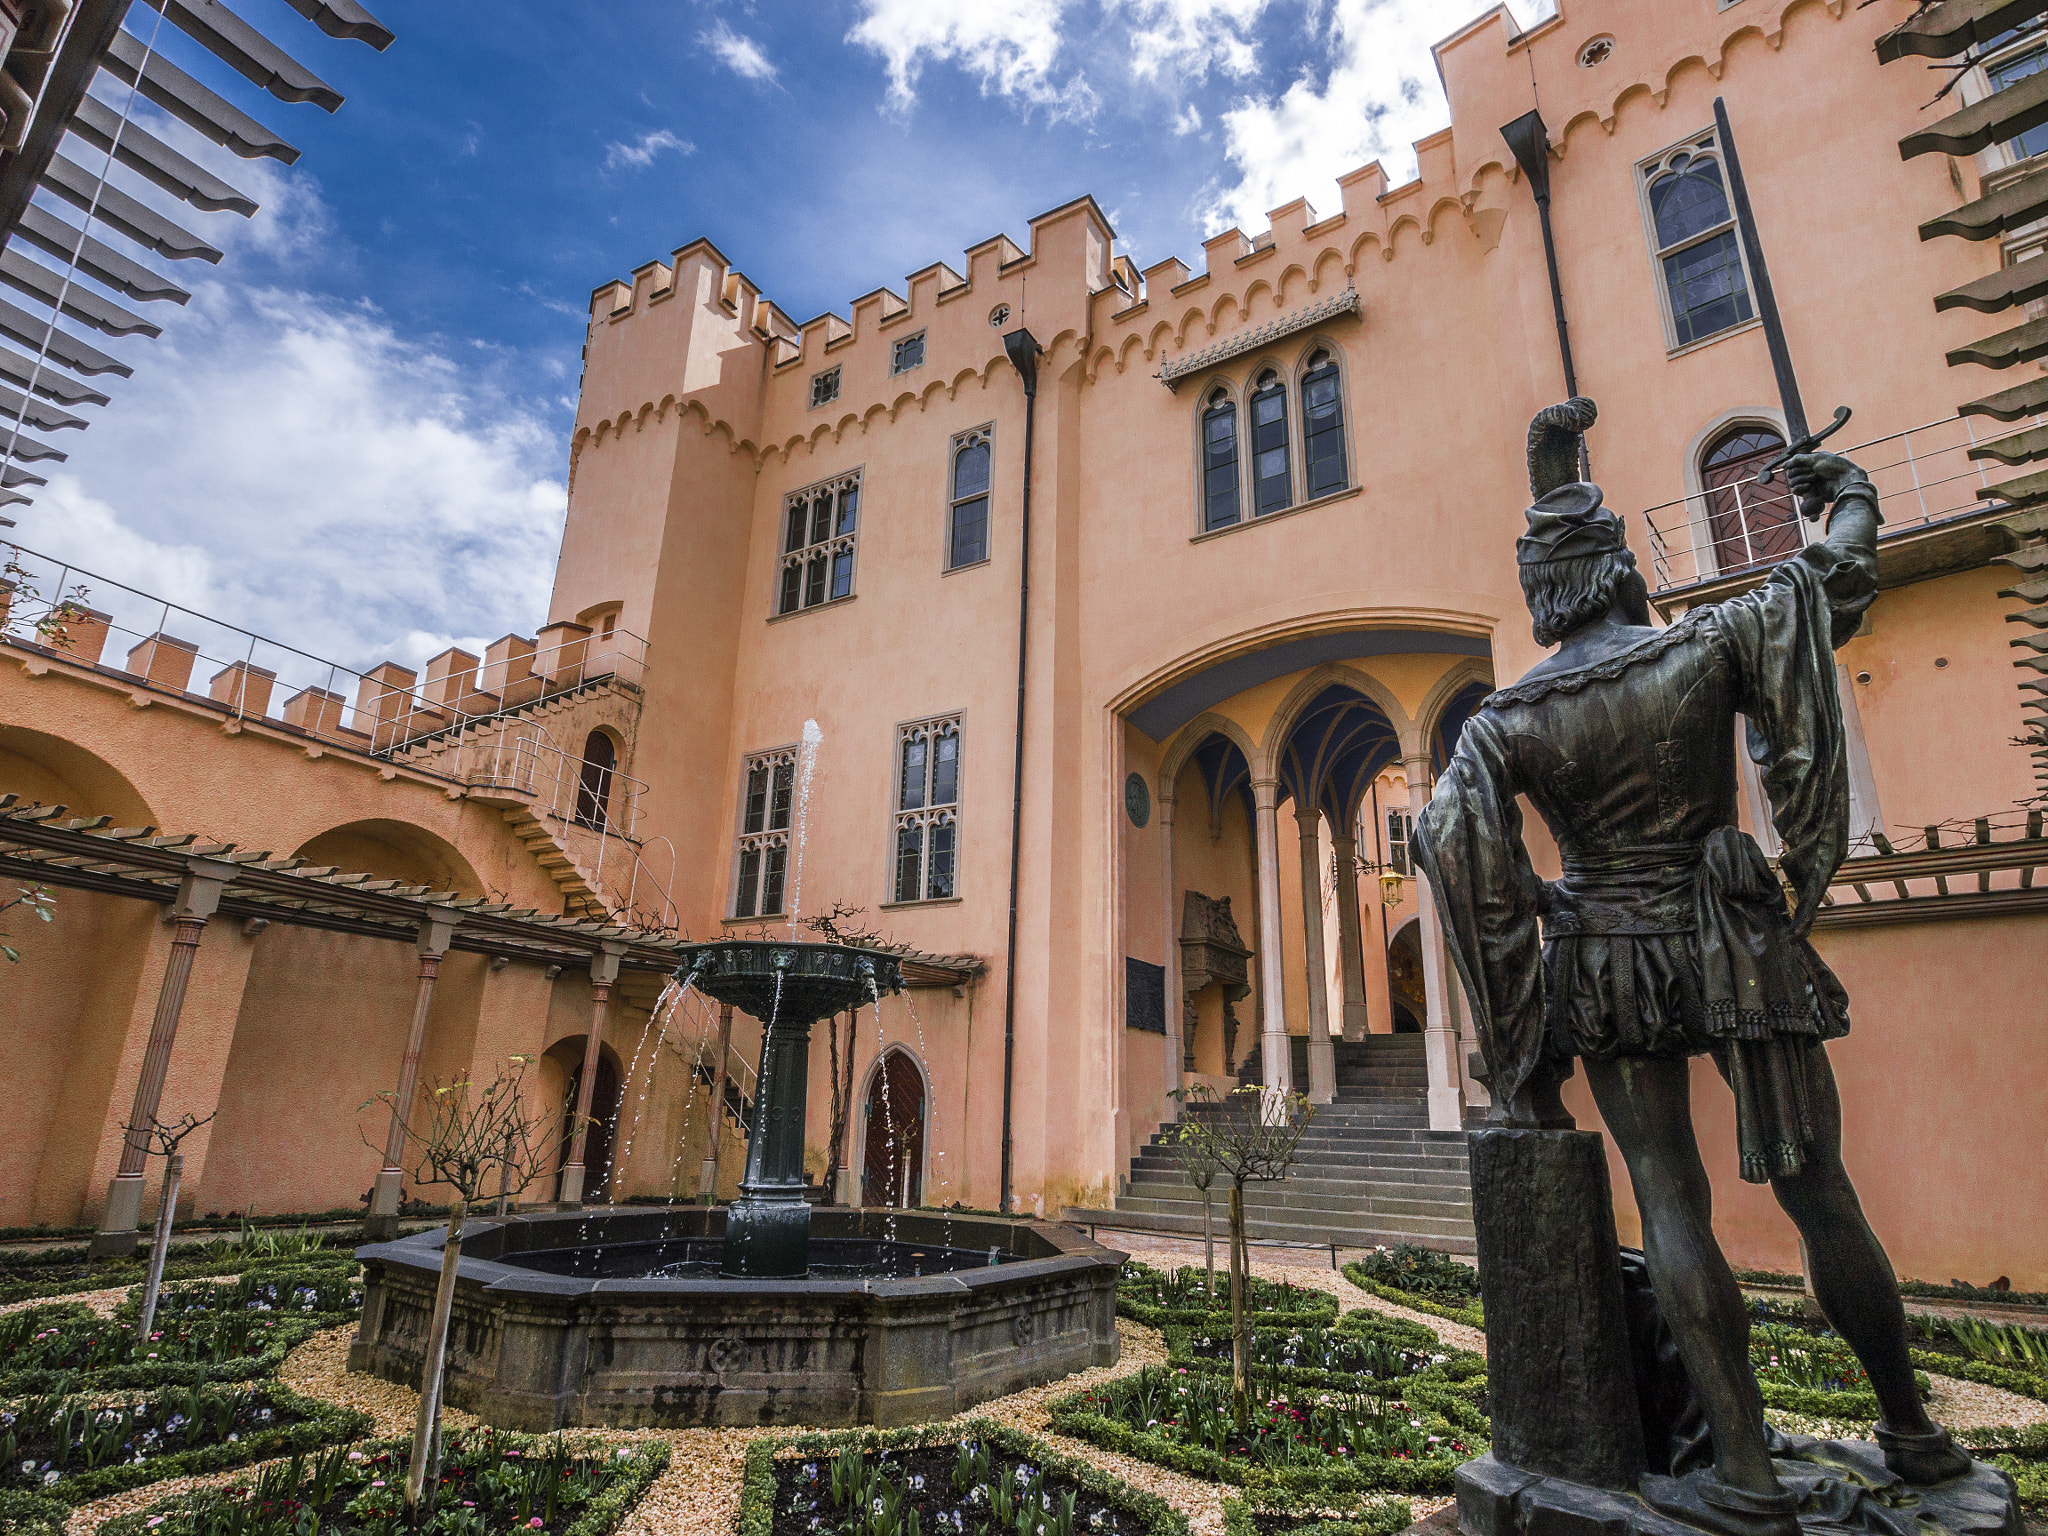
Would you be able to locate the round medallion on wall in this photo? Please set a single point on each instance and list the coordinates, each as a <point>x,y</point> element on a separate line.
<point>1137,800</point>
<point>999,314</point>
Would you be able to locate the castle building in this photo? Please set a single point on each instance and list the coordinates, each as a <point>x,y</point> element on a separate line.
<point>1094,633</point>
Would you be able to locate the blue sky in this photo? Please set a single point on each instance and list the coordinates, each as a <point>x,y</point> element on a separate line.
<point>355,437</point>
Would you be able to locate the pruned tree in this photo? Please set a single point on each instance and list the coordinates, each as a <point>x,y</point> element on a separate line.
<point>161,1140</point>
<point>459,1135</point>
<point>1252,1135</point>
<point>1198,1165</point>
<point>840,923</point>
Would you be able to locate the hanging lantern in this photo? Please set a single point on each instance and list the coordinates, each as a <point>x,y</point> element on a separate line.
<point>1390,888</point>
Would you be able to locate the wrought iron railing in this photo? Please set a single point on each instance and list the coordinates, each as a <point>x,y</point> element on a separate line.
<point>1924,476</point>
<point>95,619</point>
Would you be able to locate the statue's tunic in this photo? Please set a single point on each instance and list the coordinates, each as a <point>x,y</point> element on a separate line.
<point>1668,933</point>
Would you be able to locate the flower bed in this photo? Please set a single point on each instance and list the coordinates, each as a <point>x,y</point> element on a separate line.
<point>1158,1298</point>
<point>977,1476</point>
<point>1423,1280</point>
<point>67,1271</point>
<point>77,1450</point>
<point>67,1348</point>
<point>1813,1372</point>
<point>332,1292</point>
<point>1405,1436</point>
<point>492,1484</point>
<point>1281,1514</point>
<point>1363,1346</point>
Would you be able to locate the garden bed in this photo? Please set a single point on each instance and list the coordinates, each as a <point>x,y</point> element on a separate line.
<point>1161,1298</point>
<point>927,1480</point>
<point>491,1484</point>
<point>66,1348</point>
<point>1281,1514</point>
<point>77,1450</point>
<point>1423,1280</point>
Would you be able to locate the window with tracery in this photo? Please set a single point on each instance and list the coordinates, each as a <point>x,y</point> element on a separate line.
<point>927,809</point>
<point>1322,427</point>
<point>1400,827</point>
<point>967,517</point>
<point>1692,230</point>
<point>821,525</point>
<point>1272,485</point>
<point>761,855</point>
<point>1219,462</point>
<point>825,387</point>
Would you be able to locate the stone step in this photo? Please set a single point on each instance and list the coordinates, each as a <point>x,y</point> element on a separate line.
<point>1111,1221</point>
<point>1336,1176</point>
<point>1362,1232</point>
<point>1333,1193</point>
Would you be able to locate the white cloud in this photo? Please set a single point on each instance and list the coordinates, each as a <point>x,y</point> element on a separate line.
<point>1187,120</point>
<point>1010,46</point>
<point>1378,95</point>
<point>641,152</point>
<point>1188,37</point>
<point>738,53</point>
<point>295,466</point>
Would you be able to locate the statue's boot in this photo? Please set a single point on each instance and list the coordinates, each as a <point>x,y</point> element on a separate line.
<point>1704,1500</point>
<point>1921,1459</point>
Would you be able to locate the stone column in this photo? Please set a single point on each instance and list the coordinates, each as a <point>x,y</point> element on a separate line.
<point>434,937</point>
<point>1440,1029</point>
<point>1350,936</point>
<point>707,1176</point>
<point>1170,945</point>
<point>198,896</point>
<point>1322,1055</point>
<point>1275,1055</point>
<point>604,971</point>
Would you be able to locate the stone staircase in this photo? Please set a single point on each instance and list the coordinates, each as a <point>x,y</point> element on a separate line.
<point>1370,1170</point>
<point>581,896</point>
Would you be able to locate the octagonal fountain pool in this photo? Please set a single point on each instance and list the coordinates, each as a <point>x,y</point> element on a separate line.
<point>620,1316</point>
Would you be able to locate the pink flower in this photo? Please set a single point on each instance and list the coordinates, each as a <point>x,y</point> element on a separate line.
<point>534,1524</point>
<point>379,1483</point>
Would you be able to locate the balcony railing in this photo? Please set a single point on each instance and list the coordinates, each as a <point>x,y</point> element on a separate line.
<point>1925,478</point>
<point>90,618</point>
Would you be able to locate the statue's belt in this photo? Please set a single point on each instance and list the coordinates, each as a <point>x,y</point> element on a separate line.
<point>1638,892</point>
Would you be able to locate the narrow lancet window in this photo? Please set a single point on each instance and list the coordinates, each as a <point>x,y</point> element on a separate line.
<point>1274,490</point>
<point>1219,463</point>
<point>1322,426</point>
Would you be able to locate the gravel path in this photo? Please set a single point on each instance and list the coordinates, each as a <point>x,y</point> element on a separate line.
<point>699,1494</point>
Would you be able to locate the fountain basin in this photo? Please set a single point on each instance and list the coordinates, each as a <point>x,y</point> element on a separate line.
<point>533,1348</point>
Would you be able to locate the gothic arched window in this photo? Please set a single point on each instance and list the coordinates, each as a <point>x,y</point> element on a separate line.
<point>1692,227</point>
<point>1322,427</point>
<point>1272,486</point>
<point>1219,462</point>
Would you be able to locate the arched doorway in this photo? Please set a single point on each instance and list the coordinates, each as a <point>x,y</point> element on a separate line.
<point>604,1121</point>
<point>892,1169</point>
<point>1751,524</point>
<point>1406,990</point>
<point>594,786</point>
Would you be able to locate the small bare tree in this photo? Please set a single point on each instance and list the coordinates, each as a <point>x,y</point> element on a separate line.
<point>1198,1165</point>
<point>460,1135</point>
<point>161,1140</point>
<point>1251,1135</point>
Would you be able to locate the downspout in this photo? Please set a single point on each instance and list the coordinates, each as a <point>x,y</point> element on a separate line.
<point>1529,141</point>
<point>1023,350</point>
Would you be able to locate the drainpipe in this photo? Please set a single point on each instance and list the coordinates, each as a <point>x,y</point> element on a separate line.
<point>1023,350</point>
<point>1529,141</point>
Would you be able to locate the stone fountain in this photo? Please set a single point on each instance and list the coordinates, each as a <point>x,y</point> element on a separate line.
<point>763,1313</point>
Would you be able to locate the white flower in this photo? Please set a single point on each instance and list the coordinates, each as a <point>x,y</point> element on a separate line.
<point>49,1477</point>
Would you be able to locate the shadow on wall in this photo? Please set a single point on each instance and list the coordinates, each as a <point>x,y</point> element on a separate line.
<point>394,850</point>
<point>53,771</point>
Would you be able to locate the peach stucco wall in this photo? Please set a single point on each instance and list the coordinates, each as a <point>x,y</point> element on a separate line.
<point>695,424</point>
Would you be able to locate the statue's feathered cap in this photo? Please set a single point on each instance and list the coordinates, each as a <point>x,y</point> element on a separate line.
<point>1567,521</point>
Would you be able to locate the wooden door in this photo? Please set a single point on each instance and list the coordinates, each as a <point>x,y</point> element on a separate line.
<point>892,1171</point>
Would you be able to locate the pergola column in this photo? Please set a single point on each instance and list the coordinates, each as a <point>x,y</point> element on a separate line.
<point>198,897</point>
<point>604,972</point>
<point>1322,1054</point>
<point>1440,1030</point>
<point>1275,1057</point>
<point>435,934</point>
<point>1350,936</point>
<point>1169,929</point>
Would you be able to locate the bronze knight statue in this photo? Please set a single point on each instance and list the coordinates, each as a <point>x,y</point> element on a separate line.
<point>1668,936</point>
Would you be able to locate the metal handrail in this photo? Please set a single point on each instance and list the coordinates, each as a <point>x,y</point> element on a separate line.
<point>1918,485</point>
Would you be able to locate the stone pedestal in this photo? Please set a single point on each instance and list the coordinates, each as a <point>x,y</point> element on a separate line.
<point>1558,1373</point>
